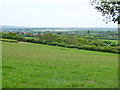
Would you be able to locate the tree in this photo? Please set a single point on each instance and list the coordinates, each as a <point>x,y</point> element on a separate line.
<point>29,34</point>
<point>49,37</point>
<point>88,32</point>
<point>1,34</point>
<point>12,34</point>
<point>38,35</point>
<point>17,32</point>
<point>109,8</point>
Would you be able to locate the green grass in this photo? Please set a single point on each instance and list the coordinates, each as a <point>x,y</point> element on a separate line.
<point>29,37</point>
<point>116,41</point>
<point>28,65</point>
<point>8,40</point>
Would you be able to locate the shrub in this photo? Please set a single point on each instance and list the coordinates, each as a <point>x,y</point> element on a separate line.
<point>54,43</point>
<point>71,46</point>
<point>113,44</point>
<point>61,44</point>
<point>40,41</point>
<point>107,42</point>
<point>96,43</point>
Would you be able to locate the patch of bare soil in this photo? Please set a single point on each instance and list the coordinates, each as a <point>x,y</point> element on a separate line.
<point>91,81</point>
<point>75,48</point>
<point>22,42</point>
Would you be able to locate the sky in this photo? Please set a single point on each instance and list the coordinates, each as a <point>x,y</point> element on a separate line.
<point>51,13</point>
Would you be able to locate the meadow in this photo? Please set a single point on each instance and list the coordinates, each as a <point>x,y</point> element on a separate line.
<point>29,65</point>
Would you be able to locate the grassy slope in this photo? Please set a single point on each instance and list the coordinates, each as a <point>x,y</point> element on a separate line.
<point>40,66</point>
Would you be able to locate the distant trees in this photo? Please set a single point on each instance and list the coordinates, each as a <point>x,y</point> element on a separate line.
<point>0,34</point>
<point>38,35</point>
<point>46,38</point>
<point>88,32</point>
<point>29,34</point>
<point>49,36</point>
<point>67,41</point>
<point>12,34</point>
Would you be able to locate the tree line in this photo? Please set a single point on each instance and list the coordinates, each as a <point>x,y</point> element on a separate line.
<point>66,41</point>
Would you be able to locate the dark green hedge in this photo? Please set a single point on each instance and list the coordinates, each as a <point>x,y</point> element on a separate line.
<point>91,47</point>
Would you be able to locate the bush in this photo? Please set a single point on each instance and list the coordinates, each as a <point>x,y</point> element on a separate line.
<point>94,48</point>
<point>100,49</point>
<point>54,43</point>
<point>71,46</point>
<point>61,44</point>
<point>113,44</point>
<point>33,40</point>
<point>28,40</point>
<point>107,42</point>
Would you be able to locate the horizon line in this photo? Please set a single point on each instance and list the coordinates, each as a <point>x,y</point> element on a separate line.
<point>55,26</point>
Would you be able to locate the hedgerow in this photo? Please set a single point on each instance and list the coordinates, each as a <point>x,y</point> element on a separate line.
<point>79,43</point>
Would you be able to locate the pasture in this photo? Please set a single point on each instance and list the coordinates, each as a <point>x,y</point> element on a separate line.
<point>29,65</point>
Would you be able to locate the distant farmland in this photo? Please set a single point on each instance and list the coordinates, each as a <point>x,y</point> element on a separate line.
<point>28,65</point>
<point>62,29</point>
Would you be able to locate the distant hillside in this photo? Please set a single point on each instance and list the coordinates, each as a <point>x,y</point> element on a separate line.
<point>39,29</point>
<point>4,26</point>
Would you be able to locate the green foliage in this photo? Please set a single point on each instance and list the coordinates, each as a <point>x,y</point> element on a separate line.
<point>108,8</point>
<point>29,34</point>
<point>0,34</point>
<point>8,40</point>
<point>68,41</point>
<point>113,44</point>
<point>12,34</point>
<point>38,36</point>
<point>107,42</point>
<point>49,37</point>
<point>96,43</point>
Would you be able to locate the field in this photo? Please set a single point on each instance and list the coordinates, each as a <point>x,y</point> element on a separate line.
<point>28,65</point>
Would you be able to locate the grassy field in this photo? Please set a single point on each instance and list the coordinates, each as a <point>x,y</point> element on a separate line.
<point>116,41</point>
<point>28,65</point>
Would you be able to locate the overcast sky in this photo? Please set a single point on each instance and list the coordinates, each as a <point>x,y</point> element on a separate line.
<point>51,13</point>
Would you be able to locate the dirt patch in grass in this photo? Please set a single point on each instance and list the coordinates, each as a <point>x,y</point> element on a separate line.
<point>22,42</point>
<point>91,81</point>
